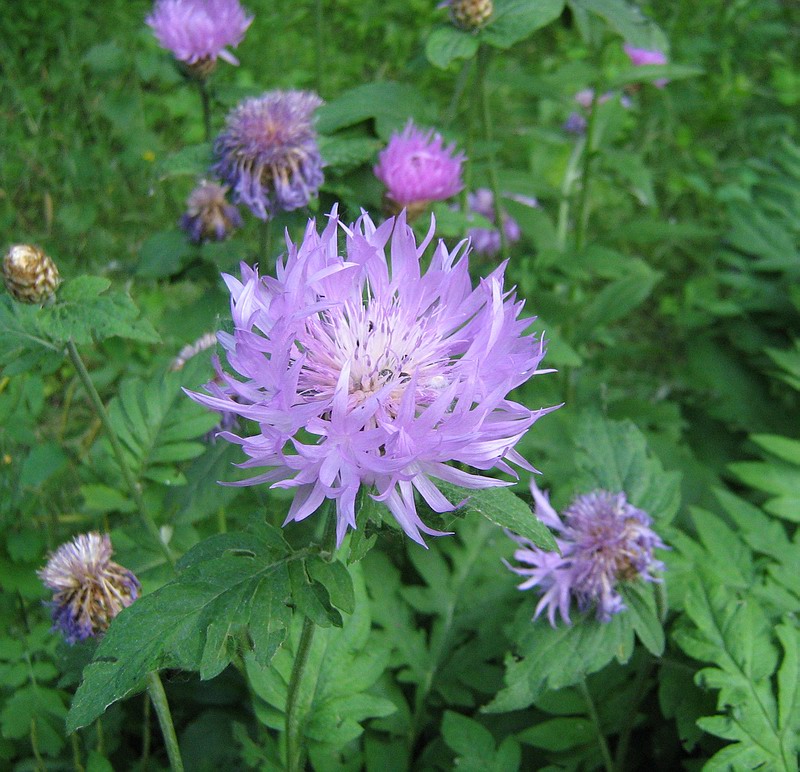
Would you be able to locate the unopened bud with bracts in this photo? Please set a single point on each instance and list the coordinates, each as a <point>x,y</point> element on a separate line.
<point>30,275</point>
<point>470,14</point>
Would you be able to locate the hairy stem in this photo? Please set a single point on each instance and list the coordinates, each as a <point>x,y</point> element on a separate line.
<point>484,55</point>
<point>295,752</point>
<point>119,454</point>
<point>159,699</point>
<point>608,762</point>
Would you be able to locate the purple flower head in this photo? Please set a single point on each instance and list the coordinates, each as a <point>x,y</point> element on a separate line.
<point>362,371</point>
<point>89,589</point>
<point>199,30</point>
<point>209,216</point>
<point>486,241</point>
<point>575,124</point>
<point>643,56</point>
<point>603,540</point>
<point>268,152</point>
<point>417,168</point>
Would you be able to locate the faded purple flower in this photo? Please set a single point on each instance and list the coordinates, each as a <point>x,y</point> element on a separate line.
<point>198,31</point>
<point>643,56</point>
<point>209,216</point>
<point>417,168</point>
<point>361,372</point>
<point>268,152</point>
<point>486,241</point>
<point>604,540</point>
<point>575,124</point>
<point>89,589</point>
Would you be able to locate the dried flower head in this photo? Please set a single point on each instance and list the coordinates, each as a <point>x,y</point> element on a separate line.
<point>268,152</point>
<point>486,241</point>
<point>360,371</point>
<point>604,540</point>
<point>644,56</point>
<point>209,216</point>
<point>417,168</point>
<point>197,32</point>
<point>469,14</point>
<point>30,275</point>
<point>89,589</point>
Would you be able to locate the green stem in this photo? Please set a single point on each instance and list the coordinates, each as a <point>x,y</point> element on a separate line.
<point>484,56</point>
<point>319,29</point>
<point>608,763</point>
<point>582,214</point>
<point>205,100</point>
<point>639,691</point>
<point>265,240</point>
<point>159,698</point>
<point>77,762</point>
<point>295,751</point>
<point>571,175</point>
<point>146,736</point>
<point>35,747</point>
<point>119,454</point>
<point>458,92</point>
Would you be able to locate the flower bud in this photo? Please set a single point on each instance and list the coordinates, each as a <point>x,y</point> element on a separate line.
<point>30,275</point>
<point>471,14</point>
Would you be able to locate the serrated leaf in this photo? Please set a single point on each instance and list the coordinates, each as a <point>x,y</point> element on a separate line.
<point>163,254</point>
<point>344,153</point>
<point>559,734</point>
<point>227,585</point>
<point>640,605</point>
<point>337,581</point>
<point>503,508</point>
<point>447,44</point>
<point>627,20</point>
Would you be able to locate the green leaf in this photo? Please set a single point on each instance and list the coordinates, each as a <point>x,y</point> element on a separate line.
<point>559,734</point>
<point>344,153</point>
<point>42,462</point>
<point>337,581</point>
<point>227,586</point>
<point>85,311</point>
<point>514,20</point>
<point>627,20</point>
<point>474,745</point>
<point>163,254</point>
<point>640,601</point>
<point>552,658</point>
<point>651,72</point>
<point>503,508</point>
<point>193,161</point>
<point>446,45</point>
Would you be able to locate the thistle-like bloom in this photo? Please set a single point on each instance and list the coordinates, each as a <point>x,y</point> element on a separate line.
<point>198,31</point>
<point>643,56</point>
<point>268,152</point>
<point>209,216</point>
<point>603,539</point>
<point>486,241</point>
<point>361,372</point>
<point>89,589</point>
<point>417,168</point>
<point>575,124</point>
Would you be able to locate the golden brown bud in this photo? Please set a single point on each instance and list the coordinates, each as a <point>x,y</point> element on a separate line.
<point>30,275</point>
<point>471,14</point>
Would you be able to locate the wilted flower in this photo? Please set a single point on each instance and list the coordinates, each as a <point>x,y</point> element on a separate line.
<point>361,372</point>
<point>643,56</point>
<point>603,539</point>
<point>486,241</point>
<point>89,589</point>
<point>469,14</point>
<point>268,152</point>
<point>209,216</point>
<point>198,31</point>
<point>29,274</point>
<point>417,168</point>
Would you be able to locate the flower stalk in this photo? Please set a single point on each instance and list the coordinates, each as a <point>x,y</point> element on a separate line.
<point>589,151</point>
<point>119,454</point>
<point>295,715</point>
<point>155,689</point>
<point>591,708</point>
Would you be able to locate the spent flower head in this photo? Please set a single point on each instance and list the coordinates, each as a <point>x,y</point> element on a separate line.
<point>363,372</point>
<point>197,32</point>
<point>268,152</point>
<point>603,539</point>
<point>417,168</point>
<point>209,215</point>
<point>29,274</point>
<point>89,589</point>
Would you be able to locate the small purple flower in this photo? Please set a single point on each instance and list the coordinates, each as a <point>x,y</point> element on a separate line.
<point>486,241</point>
<point>268,152</point>
<point>198,31</point>
<point>361,371</point>
<point>644,56</point>
<point>603,540</point>
<point>209,216</point>
<point>417,168</point>
<point>575,124</point>
<point>89,589</point>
